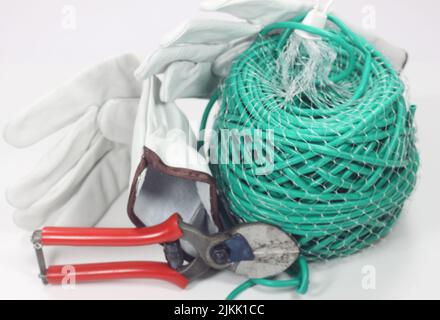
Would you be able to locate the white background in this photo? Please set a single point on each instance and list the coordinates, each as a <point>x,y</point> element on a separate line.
<point>37,54</point>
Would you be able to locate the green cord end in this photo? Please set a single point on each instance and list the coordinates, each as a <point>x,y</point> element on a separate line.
<point>300,281</point>
<point>304,276</point>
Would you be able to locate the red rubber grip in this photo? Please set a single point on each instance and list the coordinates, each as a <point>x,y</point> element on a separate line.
<point>57,275</point>
<point>169,231</point>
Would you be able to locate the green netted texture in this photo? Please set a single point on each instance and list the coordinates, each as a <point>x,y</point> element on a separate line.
<point>344,159</point>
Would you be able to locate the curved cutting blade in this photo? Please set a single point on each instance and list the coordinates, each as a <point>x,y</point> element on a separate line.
<point>275,251</point>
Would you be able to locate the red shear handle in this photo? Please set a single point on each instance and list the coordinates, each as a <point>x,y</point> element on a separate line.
<point>114,271</point>
<point>169,231</point>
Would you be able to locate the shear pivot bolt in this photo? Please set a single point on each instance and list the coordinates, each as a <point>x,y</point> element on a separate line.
<point>220,254</point>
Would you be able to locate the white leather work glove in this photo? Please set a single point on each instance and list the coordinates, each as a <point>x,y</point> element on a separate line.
<point>198,55</point>
<point>77,181</point>
<point>169,175</point>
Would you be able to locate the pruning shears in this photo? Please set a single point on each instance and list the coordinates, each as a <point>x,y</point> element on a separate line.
<point>254,250</point>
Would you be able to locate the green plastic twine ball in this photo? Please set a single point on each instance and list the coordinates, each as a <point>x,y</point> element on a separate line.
<point>344,160</point>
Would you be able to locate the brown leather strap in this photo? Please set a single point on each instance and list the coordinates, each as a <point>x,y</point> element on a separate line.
<point>152,160</point>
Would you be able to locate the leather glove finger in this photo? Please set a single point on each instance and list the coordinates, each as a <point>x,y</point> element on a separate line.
<point>188,80</point>
<point>55,164</point>
<point>158,62</point>
<point>89,205</point>
<point>259,12</point>
<point>111,79</point>
<point>116,120</point>
<point>209,32</point>
<point>66,188</point>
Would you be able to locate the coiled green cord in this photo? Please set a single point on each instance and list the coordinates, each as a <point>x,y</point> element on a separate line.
<point>343,166</point>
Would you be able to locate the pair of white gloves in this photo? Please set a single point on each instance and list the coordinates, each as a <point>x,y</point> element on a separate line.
<point>120,123</point>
